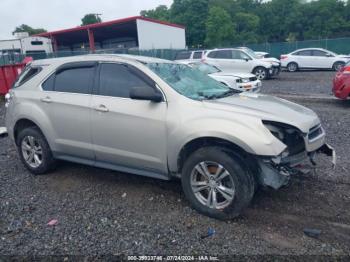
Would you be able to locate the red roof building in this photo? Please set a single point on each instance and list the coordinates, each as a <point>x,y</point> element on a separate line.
<point>132,32</point>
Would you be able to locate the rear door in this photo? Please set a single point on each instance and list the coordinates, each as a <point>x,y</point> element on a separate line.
<point>304,59</point>
<point>127,132</point>
<point>222,59</point>
<point>66,99</point>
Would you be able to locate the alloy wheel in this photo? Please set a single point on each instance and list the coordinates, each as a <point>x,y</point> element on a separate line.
<point>260,74</point>
<point>32,151</point>
<point>212,185</point>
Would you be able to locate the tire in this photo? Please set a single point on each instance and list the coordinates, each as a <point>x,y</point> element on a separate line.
<point>292,67</point>
<point>34,151</point>
<point>260,72</point>
<point>338,65</point>
<point>238,181</point>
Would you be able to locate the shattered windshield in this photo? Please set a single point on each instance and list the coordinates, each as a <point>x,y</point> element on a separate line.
<point>190,82</point>
<point>205,68</point>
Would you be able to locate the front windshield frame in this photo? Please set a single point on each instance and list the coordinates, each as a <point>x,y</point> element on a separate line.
<point>190,82</point>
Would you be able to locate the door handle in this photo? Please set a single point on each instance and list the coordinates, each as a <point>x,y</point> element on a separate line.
<point>102,108</point>
<point>46,99</point>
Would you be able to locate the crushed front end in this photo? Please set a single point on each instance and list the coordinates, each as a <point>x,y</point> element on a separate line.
<point>276,171</point>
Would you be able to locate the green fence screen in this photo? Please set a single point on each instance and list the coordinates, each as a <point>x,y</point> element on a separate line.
<point>338,45</point>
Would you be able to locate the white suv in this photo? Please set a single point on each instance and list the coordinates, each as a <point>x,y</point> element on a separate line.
<point>239,60</point>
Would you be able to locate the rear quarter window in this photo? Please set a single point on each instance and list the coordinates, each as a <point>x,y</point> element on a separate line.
<point>27,74</point>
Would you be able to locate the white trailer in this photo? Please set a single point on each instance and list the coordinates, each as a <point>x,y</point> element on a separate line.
<point>30,45</point>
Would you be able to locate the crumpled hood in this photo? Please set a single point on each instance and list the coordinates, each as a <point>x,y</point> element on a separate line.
<point>234,74</point>
<point>267,107</point>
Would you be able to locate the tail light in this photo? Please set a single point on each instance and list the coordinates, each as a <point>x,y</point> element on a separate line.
<point>345,70</point>
<point>283,57</point>
<point>203,60</point>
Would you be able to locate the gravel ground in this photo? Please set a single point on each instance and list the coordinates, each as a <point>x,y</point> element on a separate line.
<point>103,212</point>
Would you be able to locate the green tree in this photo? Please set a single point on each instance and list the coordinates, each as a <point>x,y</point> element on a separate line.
<point>219,27</point>
<point>193,14</point>
<point>247,27</point>
<point>91,19</point>
<point>161,13</point>
<point>28,29</point>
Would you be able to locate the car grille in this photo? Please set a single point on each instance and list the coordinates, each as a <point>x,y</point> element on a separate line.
<point>315,132</point>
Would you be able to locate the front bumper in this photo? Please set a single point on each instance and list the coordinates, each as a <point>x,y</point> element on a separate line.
<point>276,175</point>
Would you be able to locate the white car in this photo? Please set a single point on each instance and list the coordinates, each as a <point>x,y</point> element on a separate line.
<point>313,58</point>
<point>235,80</point>
<point>241,60</point>
<point>190,55</point>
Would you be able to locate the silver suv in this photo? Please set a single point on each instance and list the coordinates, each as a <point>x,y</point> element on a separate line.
<point>161,119</point>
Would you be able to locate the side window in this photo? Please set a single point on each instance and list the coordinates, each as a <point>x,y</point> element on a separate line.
<point>27,74</point>
<point>48,85</point>
<point>197,55</point>
<point>319,53</point>
<point>224,54</point>
<point>183,55</point>
<point>75,80</point>
<point>212,54</point>
<point>304,53</point>
<point>117,80</point>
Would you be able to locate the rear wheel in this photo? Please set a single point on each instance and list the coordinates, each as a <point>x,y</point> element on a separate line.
<point>217,183</point>
<point>34,151</point>
<point>292,67</point>
<point>260,72</point>
<point>338,65</point>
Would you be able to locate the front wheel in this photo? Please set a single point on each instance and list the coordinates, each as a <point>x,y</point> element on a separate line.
<point>217,183</point>
<point>261,73</point>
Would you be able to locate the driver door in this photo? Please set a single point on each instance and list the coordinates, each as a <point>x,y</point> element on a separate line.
<point>127,132</point>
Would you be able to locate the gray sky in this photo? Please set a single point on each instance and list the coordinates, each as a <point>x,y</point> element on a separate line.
<point>61,14</point>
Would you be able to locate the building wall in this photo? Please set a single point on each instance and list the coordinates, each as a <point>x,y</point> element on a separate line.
<point>158,36</point>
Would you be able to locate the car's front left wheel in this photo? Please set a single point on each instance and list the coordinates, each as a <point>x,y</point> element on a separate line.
<point>260,72</point>
<point>34,151</point>
<point>217,183</point>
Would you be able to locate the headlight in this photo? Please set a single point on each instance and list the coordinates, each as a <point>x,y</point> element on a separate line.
<point>289,135</point>
<point>245,80</point>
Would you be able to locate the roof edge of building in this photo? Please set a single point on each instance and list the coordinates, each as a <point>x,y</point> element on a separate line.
<point>107,23</point>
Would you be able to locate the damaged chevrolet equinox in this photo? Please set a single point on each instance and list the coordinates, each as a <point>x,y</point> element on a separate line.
<point>161,119</point>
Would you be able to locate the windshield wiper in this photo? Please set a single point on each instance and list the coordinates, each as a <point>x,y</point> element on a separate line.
<point>222,95</point>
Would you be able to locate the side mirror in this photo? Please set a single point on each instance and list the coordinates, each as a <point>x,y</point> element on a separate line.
<point>246,59</point>
<point>329,55</point>
<point>146,93</point>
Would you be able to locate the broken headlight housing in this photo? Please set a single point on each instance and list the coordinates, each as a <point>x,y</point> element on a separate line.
<point>289,135</point>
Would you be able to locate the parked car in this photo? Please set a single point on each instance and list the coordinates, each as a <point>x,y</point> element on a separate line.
<point>237,59</point>
<point>190,55</point>
<point>161,119</point>
<point>235,80</point>
<point>341,82</point>
<point>314,58</point>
